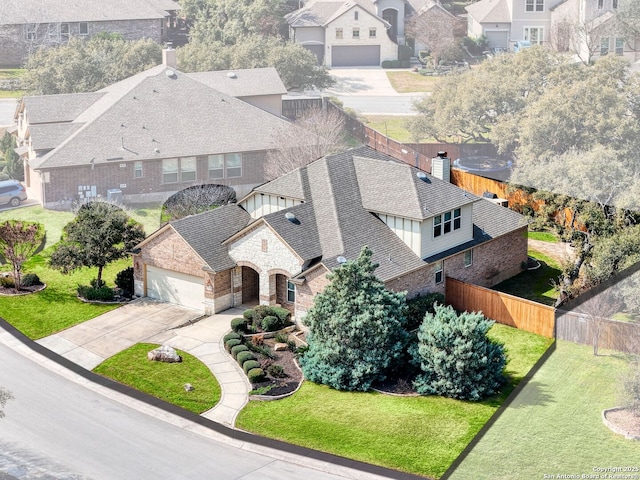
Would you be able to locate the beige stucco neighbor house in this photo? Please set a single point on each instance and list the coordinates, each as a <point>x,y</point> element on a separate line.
<point>278,244</point>
<point>150,135</point>
<point>26,25</point>
<point>586,28</point>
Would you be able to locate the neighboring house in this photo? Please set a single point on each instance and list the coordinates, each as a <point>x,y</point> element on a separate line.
<point>146,137</point>
<point>585,27</point>
<point>278,244</point>
<point>26,25</point>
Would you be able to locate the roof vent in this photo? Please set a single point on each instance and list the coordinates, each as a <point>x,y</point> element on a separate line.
<point>232,75</point>
<point>170,73</point>
<point>292,218</point>
<point>423,176</point>
<point>341,260</point>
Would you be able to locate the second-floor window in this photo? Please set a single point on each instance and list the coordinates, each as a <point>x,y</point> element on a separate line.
<point>356,33</point>
<point>84,28</point>
<point>372,32</point>
<point>534,5</point>
<point>227,165</point>
<point>600,4</point>
<point>447,222</point>
<point>355,15</point>
<point>31,32</point>
<point>339,33</point>
<point>615,4</point>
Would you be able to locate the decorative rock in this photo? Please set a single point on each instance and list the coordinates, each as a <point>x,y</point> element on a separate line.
<point>188,387</point>
<point>164,354</point>
<point>279,347</point>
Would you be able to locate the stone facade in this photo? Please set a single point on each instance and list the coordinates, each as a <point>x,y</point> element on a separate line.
<point>15,46</point>
<point>66,184</point>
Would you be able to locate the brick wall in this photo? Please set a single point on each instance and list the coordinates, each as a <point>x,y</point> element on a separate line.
<point>64,182</point>
<point>316,281</point>
<point>221,293</point>
<point>415,283</point>
<point>281,293</point>
<point>250,284</point>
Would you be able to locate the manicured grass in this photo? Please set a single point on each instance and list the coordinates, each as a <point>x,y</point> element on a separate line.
<point>164,380</point>
<point>554,425</point>
<point>543,236</point>
<point>534,284</point>
<point>11,93</point>
<point>393,126</point>
<point>407,82</point>
<point>422,435</point>
<point>56,307</point>
<point>11,72</point>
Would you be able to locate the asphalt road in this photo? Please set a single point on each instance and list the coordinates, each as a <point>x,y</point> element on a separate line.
<point>7,109</point>
<point>381,105</point>
<point>57,429</point>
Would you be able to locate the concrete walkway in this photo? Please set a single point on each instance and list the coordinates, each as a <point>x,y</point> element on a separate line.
<point>90,343</point>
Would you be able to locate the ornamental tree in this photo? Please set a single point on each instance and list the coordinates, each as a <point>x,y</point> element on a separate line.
<point>457,358</point>
<point>356,327</point>
<point>100,233</point>
<point>18,242</point>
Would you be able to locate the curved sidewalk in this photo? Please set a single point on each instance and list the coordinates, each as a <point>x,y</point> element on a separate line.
<point>90,343</point>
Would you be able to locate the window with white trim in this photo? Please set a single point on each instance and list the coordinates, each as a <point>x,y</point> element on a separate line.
<point>233,165</point>
<point>65,32</point>
<point>534,35</point>
<point>227,165</point>
<point>439,272</point>
<point>372,32</point>
<point>468,258</point>
<point>355,15</point>
<point>216,167</point>
<point>534,6</point>
<point>604,46</point>
<point>356,33</point>
<point>84,28</point>
<point>446,222</point>
<point>600,4</point>
<point>291,292</point>
<point>188,169</point>
<point>137,169</point>
<point>31,32</point>
<point>170,170</point>
<point>339,33</point>
<point>619,46</point>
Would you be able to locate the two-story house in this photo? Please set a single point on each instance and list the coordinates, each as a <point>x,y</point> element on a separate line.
<point>26,25</point>
<point>278,244</point>
<point>587,28</point>
<point>148,136</point>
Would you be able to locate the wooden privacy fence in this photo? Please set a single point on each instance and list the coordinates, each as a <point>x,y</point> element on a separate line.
<point>501,307</point>
<point>611,334</point>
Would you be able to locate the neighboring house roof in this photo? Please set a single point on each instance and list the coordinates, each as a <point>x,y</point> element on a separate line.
<point>159,113</point>
<point>320,13</point>
<point>490,11</point>
<point>206,232</point>
<point>54,11</point>
<point>58,108</point>
<point>243,83</point>
<point>49,136</point>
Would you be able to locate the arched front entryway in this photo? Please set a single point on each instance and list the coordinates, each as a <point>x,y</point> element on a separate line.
<point>391,16</point>
<point>250,285</point>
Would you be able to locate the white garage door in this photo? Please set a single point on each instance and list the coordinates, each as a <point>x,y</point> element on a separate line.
<point>175,287</point>
<point>355,56</point>
<point>498,38</point>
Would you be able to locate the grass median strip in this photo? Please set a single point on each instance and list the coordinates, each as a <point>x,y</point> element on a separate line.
<point>421,435</point>
<point>164,380</point>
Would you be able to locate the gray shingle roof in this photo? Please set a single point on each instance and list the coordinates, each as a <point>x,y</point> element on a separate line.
<point>53,11</point>
<point>243,83</point>
<point>153,116</point>
<point>490,11</point>
<point>319,13</point>
<point>205,233</point>
<point>58,108</point>
<point>49,136</point>
<point>300,233</point>
<point>289,185</point>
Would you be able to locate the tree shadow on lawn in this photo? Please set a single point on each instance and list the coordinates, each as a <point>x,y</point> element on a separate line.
<point>534,393</point>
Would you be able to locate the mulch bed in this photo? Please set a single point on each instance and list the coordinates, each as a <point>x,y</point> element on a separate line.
<point>625,420</point>
<point>23,291</point>
<point>287,384</point>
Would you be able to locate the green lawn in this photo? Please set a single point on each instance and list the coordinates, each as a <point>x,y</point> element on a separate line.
<point>554,425</point>
<point>164,380</point>
<point>422,435</point>
<point>393,126</point>
<point>534,284</point>
<point>11,93</point>
<point>408,82</point>
<point>543,236</point>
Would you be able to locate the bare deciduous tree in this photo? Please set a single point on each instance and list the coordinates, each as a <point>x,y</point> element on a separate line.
<point>5,396</point>
<point>435,29</point>
<point>322,132</point>
<point>599,309</point>
<point>197,199</point>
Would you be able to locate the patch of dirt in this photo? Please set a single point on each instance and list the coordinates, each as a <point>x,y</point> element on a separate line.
<point>625,420</point>
<point>559,251</point>
<point>23,291</point>
<point>292,373</point>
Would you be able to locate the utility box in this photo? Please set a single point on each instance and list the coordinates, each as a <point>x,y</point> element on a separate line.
<point>114,195</point>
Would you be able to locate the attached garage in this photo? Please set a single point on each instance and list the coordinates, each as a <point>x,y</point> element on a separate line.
<point>175,287</point>
<point>497,38</point>
<point>355,56</point>
<point>317,50</point>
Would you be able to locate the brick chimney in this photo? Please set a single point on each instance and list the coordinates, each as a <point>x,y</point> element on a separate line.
<point>169,58</point>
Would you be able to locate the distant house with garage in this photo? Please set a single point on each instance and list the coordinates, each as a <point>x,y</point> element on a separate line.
<point>277,245</point>
<point>144,138</point>
<point>27,25</point>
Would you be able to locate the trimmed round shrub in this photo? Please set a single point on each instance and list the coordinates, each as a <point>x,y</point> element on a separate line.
<point>31,279</point>
<point>244,356</point>
<point>271,323</point>
<point>255,375</point>
<point>248,314</point>
<point>231,335</point>
<point>276,371</point>
<point>239,324</point>
<point>282,313</point>
<point>250,365</point>
<point>386,64</point>
<point>103,293</point>
<point>237,349</point>
<point>233,342</point>
<point>7,282</point>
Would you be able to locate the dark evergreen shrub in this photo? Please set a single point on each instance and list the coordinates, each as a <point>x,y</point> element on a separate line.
<point>239,324</point>
<point>237,349</point>
<point>419,306</point>
<point>271,324</point>
<point>282,313</point>
<point>7,282</point>
<point>124,280</point>
<point>248,314</point>
<point>255,375</point>
<point>104,294</point>
<point>244,356</point>
<point>229,344</point>
<point>386,64</point>
<point>276,371</point>
<point>31,279</point>
<point>250,365</point>
<point>231,335</point>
